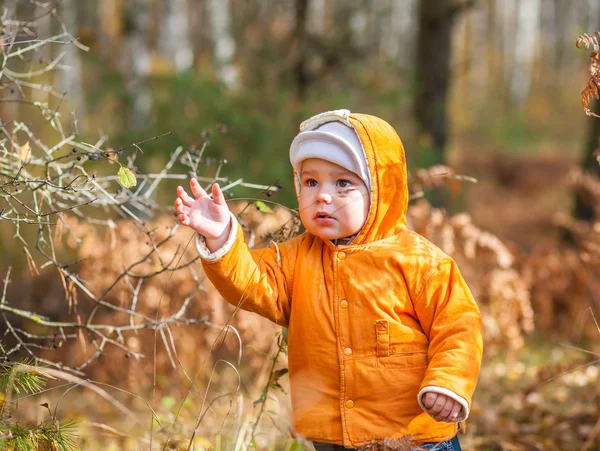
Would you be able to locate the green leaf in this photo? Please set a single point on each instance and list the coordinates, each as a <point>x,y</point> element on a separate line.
<point>284,331</point>
<point>279,373</point>
<point>126,177</point>
<point>261,206</point>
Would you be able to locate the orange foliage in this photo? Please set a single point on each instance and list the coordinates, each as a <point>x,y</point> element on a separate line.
<point>160,294</point>
<point>591,88</point>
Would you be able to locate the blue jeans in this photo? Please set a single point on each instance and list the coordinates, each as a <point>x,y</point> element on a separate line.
<point>450,445</point>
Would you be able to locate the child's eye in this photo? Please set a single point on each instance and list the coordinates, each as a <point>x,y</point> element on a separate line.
<point>310,182</point>
<point>344,183</point>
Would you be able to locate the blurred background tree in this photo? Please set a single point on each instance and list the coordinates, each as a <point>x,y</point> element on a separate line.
<point>501,70</point>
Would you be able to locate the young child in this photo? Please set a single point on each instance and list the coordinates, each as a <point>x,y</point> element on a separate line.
<point>384,335</point>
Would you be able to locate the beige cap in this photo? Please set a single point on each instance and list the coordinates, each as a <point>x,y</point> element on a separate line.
<point>335,142</point>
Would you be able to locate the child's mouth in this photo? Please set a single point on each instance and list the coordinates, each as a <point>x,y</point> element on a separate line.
<point>324,218</point>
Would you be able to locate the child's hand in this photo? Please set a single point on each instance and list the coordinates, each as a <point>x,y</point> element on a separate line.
<point>442,407</point>
<point>209,217</point>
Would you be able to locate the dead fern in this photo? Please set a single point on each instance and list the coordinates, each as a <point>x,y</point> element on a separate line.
<point>562,287</point>
<point>510,312</point>
<point>591,88</point>
<point>433,177</point>
<point>458,234</point>
<point>104,254</point>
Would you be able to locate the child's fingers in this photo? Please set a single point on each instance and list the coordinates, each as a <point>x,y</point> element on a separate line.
<point>438,406</point>
<point>177,204</point>
<point>180,207</point>
<point>184,219</point>
<point>429,399</point>
<point>185,198</point>
<point>446,409</point>
<point>217,195</point>
<point>453,415</point>
<point>197,190</point>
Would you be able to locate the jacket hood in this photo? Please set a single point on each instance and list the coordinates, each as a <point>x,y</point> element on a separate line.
<point>384,156</point>
<point>389,187</point>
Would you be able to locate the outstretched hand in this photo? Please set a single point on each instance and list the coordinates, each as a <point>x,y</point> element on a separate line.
<point>442,407</point>
<point>209,217</point>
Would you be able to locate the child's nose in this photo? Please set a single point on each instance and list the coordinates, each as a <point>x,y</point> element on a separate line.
<point>324,197</point>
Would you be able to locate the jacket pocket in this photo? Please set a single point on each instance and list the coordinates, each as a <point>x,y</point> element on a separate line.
<point>397,355</point>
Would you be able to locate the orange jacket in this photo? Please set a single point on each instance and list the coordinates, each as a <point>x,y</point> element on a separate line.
<point>371,324</point>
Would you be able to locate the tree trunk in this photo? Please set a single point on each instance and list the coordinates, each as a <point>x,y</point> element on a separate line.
<point>70,80</point>
<point>111,26</point>
<point>136,62</point>
<point>223,42</point>
<point>586,208</point>
<point>433,73</point>
<point>200,42</point>
<point>403,31</point>
<point>300,70</point>
<point>8,110</point>
<point>318,17</point>
<point>525,47</point>
<point>174,42</point>
<point>507,15</point>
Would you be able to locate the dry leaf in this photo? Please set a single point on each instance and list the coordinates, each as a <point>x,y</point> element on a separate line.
<point>25,152</point>
<point>31,263</point>
<point>112,156</point>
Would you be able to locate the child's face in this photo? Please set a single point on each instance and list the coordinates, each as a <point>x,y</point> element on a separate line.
<point>334,202</point>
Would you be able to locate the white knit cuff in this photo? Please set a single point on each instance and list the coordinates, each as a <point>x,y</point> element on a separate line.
<point>444,391</point>
<point>206,254</point>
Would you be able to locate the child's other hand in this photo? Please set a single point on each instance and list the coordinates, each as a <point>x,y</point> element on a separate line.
<point>442,407</point>
<point>209,217</point>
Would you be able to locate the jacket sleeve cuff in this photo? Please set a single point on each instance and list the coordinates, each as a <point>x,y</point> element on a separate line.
<point>206,254</point>
<point>444,391</point>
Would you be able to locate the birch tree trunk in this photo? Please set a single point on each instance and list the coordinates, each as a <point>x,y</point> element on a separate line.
<point>46,53</point>
<point>508,16</point>
<point>400,41</point>
<point>174,42</point>
<point>361,26</point>
<point>524,49</point>
<point>70,80</point>
<point>318,16</point>
<point>223,42</point>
